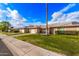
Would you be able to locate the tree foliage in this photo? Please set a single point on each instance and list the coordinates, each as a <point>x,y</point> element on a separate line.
<point>4,26</point>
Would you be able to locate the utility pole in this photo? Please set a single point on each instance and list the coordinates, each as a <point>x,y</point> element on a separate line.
<point>47,19</point>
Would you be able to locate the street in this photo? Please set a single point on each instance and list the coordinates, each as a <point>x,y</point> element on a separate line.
<point>4,51</point>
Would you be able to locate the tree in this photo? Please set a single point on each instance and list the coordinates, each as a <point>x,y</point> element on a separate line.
<point>4,26</point>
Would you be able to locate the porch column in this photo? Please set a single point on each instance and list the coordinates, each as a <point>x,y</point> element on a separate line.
<point>54,31</point>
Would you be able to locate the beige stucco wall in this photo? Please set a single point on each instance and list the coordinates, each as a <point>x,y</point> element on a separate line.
<point>53,30</point>
<point>68,29</point>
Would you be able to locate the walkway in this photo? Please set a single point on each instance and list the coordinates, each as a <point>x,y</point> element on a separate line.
<point>21,48</point>
<point>20,34</point>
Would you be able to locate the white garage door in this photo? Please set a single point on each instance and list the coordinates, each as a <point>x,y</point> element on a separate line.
<point>33,31</point>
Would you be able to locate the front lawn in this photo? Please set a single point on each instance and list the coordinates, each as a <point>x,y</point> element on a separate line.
<point>65,44</point>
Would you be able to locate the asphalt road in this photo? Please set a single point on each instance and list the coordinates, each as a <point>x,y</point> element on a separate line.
<point>4,51</point>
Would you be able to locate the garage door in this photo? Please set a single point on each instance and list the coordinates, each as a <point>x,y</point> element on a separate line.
<point>33,31</point>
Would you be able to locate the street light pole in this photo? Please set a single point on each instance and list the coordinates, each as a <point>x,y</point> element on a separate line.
<point>46,18</point>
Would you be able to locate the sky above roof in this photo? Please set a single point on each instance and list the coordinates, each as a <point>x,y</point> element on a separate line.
<point>59,13</point>
<point>23,14</point>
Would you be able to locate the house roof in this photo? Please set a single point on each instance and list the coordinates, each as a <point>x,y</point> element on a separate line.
<point>66,24</point>
<point>57,25</point>
<point>33,26</point>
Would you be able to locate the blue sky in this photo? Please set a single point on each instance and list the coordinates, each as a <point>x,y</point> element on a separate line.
<point>55,7</point>
<point>32,12</point>
<point>23,14</point>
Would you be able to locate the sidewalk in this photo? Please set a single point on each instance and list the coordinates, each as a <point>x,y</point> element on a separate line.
<point>21,48</point>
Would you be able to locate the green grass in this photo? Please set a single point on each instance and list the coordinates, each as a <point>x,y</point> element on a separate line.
<point>64,44</point>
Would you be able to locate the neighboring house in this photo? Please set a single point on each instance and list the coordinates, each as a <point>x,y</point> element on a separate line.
<point>62,28</point>
<point>33,29</point>
<point>24,30</point>
<point>65,28</point>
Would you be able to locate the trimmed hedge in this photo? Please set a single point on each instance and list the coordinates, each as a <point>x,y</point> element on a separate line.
<point>68,32</point>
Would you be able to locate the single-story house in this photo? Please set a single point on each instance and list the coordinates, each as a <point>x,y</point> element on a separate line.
<point>65,28</point>
<point>62,28</point>
<point>32,29</point>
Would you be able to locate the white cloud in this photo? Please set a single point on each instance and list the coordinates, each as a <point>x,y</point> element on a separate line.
<point>60,16</point>
<point>17,19</point>
<point>6,3</point>
<point>68,7</point>
<point>8,9</point>
<point>74,16</point>
<point>12,16</point>
<point>2,15</point>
